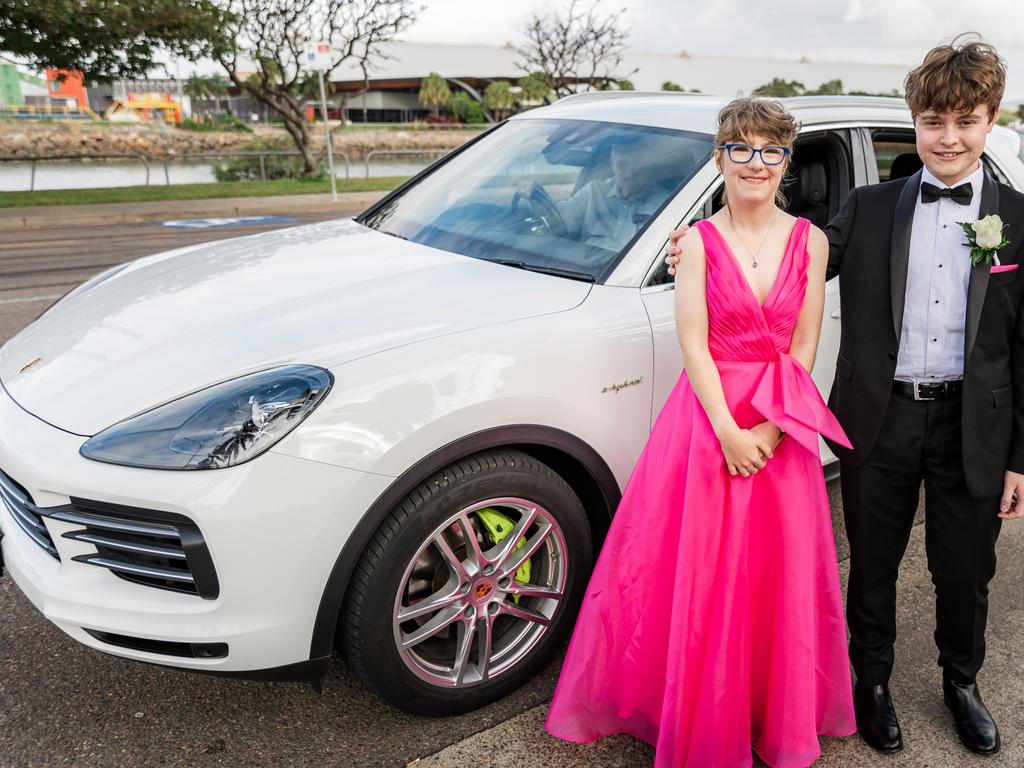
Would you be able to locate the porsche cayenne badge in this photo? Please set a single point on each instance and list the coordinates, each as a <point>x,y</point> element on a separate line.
<point>31,365</point>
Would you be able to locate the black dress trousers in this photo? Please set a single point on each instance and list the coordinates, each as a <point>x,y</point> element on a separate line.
<point>919,441</point>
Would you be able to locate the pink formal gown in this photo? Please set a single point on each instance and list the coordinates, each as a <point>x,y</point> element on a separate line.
<point>713,623</point>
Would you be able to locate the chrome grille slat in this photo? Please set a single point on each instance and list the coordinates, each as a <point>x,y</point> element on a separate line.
<point>7,488</point>
<point>25,513</point>
<point>127,546</point>
<point>151,548</point>
<point>42,539</point>
<point>168,574</point>
<point>108,524</point>
<point>25,517</point>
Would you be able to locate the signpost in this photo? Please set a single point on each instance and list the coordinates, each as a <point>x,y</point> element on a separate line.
<point>318,57</point>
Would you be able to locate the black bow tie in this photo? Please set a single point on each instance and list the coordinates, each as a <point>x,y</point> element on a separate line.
<point>962,194</point>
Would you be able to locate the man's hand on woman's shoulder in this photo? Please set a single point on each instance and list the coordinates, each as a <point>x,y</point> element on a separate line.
<point>674,249</point>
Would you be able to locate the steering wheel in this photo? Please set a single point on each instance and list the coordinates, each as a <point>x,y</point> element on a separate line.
<point>544,208</point>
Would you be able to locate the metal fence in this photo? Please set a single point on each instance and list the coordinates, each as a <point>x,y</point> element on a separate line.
<point>35,159</point>
<point>379,152</point>
<point>48,112</point>
<point>261,155</point>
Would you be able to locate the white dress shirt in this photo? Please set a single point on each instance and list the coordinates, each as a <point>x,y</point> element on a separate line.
<point>599,215</point>
<point>938,274</point>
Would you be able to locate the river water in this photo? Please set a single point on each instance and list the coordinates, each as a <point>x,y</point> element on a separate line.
<point>17,176</point>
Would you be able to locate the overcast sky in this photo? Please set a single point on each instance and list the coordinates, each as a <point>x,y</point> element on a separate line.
<point>882,31</point>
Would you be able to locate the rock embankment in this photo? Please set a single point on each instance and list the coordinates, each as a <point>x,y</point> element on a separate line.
<point>22,139</point>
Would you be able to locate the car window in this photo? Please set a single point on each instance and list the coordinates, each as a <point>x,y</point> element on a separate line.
<point>557,195</point>
<point>895,154</point>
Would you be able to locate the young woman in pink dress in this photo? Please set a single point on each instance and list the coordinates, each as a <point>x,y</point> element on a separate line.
<point>713,627</point>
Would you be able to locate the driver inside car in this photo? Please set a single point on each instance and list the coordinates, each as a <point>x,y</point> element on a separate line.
<point>607,212</point>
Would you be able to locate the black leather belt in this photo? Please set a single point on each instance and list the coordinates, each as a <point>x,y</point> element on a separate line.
<point>924,390</point>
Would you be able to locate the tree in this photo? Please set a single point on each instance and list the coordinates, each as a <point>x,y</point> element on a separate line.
<point>109,39</point>
<point>212,87</point>
<point>579,47</point>
<point>498,98</point>
<point>271,35</point>
<point>434,92</point>
<point>668,85</point>
<point>779,88</point>
<point>893,94</point>
<point>475,115</point>
<point>1020,112</point>
<point>828,88</point>
<point>535,87</point>
<point>625,85</point>
<point>459,105</point>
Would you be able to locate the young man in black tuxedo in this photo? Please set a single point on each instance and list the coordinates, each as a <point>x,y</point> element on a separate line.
<point>929,387</point>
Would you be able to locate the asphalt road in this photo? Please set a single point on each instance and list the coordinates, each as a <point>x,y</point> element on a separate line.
<point>64,704</point>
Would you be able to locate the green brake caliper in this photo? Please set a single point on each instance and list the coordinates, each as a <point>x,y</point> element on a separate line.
<point>499,526</point>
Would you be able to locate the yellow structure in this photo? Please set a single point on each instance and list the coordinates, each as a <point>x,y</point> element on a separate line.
<point>145,106</point>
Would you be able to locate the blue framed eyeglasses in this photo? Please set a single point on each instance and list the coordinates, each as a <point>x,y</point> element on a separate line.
<point>744,153</point>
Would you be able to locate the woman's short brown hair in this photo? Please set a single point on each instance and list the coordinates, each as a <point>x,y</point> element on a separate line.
<point>745,117</point>
<point>957,78</point>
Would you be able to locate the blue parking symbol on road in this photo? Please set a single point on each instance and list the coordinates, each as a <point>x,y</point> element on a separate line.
<point>227,221</point>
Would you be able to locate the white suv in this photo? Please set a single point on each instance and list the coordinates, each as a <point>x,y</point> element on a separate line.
<point>402,435</point>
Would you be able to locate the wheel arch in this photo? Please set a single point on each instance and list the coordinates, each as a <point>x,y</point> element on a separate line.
<point>573,459</point>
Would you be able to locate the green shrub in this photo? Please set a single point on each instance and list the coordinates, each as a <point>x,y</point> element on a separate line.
<point>277,167</point>
<point>475,113</point>
<point>219,123</point>
<point>459,105</point>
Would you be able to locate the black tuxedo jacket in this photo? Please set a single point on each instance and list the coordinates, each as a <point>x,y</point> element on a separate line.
<point>869,250</point>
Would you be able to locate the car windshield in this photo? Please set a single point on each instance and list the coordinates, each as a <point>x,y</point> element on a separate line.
<point>558,196</point>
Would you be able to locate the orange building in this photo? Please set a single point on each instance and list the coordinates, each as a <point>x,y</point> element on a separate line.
<point>72,87</point>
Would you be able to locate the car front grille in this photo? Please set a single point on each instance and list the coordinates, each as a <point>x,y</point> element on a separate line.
<point>25,513</point>
<point>149,547</point>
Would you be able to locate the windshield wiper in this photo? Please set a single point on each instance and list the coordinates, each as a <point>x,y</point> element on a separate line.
<point>569,273</point>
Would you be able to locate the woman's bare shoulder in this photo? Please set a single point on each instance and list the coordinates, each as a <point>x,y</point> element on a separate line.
<point>692,238</point>
<point>817,247</point>
<point>817,240</point>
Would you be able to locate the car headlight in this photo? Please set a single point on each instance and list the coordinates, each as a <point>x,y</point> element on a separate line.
<point>223,425</point>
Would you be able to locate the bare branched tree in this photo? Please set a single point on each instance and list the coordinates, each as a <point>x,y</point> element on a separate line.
<point>270,36</point>
<point>580,47</point>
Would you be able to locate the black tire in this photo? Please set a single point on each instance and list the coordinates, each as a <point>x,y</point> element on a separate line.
<point>368,634</point>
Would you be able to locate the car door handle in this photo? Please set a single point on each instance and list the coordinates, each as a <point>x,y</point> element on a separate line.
<point>836,313</point>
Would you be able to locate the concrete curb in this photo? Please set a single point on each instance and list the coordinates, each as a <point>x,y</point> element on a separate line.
<point>53,216</point>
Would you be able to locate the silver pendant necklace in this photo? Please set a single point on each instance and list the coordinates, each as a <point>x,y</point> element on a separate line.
<point>743,242</point>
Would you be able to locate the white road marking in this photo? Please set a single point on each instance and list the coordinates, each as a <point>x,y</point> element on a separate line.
<point>29,298</point>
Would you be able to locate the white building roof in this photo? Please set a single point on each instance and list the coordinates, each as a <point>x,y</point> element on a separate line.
<point>721,75</point>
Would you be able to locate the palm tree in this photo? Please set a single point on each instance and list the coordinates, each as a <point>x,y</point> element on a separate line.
<point>434,92</point>
<point>535,86</point>
<point>498,98</point>
<point>213,87</point>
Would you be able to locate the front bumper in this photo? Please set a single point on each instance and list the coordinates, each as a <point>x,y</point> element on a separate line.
<point>274,528</point>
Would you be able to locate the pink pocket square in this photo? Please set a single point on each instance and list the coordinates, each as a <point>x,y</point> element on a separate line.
<point>1002,268</point>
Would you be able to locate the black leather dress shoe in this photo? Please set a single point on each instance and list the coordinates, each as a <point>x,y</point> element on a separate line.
<point>876,718</point>
<point>974,724</point>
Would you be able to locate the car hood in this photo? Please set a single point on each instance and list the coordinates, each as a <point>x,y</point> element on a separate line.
<point>322,294</point>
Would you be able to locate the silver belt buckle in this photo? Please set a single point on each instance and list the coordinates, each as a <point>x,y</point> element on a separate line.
<point>917,392</point>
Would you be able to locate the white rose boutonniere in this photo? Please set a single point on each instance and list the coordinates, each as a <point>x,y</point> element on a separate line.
<point>985,237</point>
